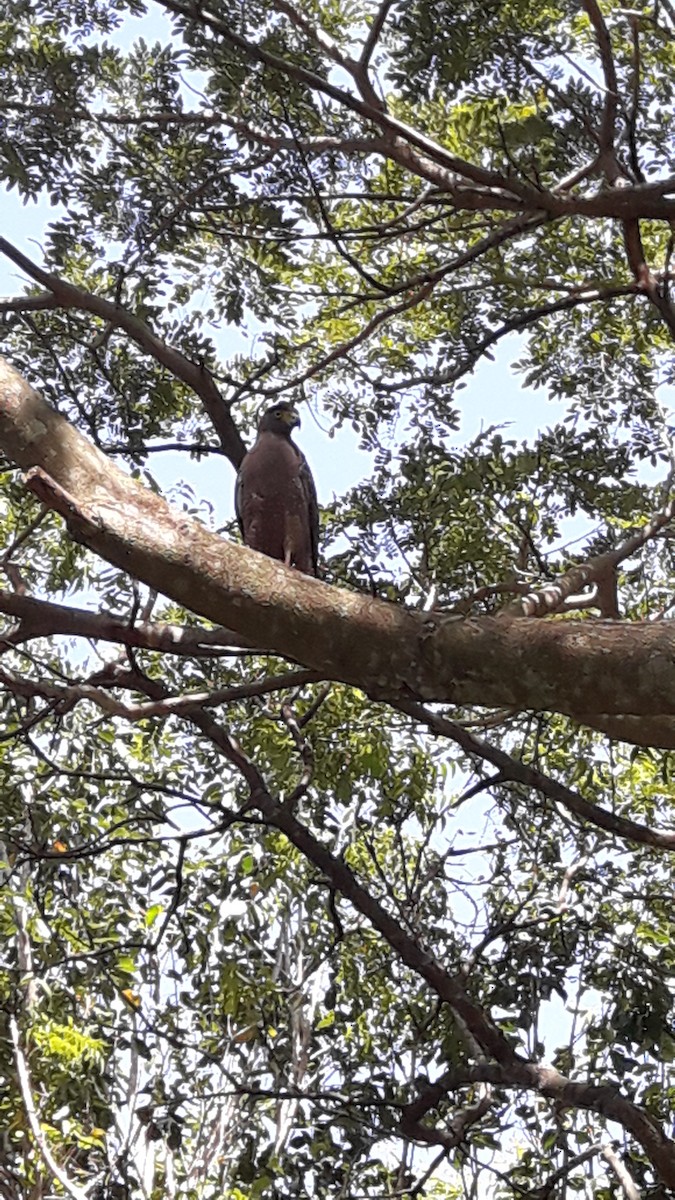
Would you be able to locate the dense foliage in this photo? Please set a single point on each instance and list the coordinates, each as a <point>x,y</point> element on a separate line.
<point>445,965</point>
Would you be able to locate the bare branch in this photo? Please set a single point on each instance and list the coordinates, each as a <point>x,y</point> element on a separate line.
<point>375,31</point>
<point>552,596</point>
<point>630,1191</point>
<point>66,695</point>
<point>40,618</point>
<point>513,769</point>
<point>41,1143</point>
<point>161,447</point>
<point>608,127</point>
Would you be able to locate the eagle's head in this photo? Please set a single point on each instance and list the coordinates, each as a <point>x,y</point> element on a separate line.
<point>282,418</point>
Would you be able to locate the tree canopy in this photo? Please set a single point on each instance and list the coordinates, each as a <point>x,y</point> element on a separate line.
<point>359,886</point>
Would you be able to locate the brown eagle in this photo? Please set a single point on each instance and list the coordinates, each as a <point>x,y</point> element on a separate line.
<point>275,498</point>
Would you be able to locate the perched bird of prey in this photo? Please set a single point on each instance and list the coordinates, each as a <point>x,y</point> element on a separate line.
<point>275,498</point>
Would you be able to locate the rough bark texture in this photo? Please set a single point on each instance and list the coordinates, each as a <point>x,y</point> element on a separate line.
<point>607,667</point>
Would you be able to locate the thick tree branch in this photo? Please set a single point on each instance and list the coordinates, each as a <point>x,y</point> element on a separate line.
<point>639,731</point>
<point>41,618</point>
<point>612,168</point>
<point>655,290</point>
<point>572,666</point>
